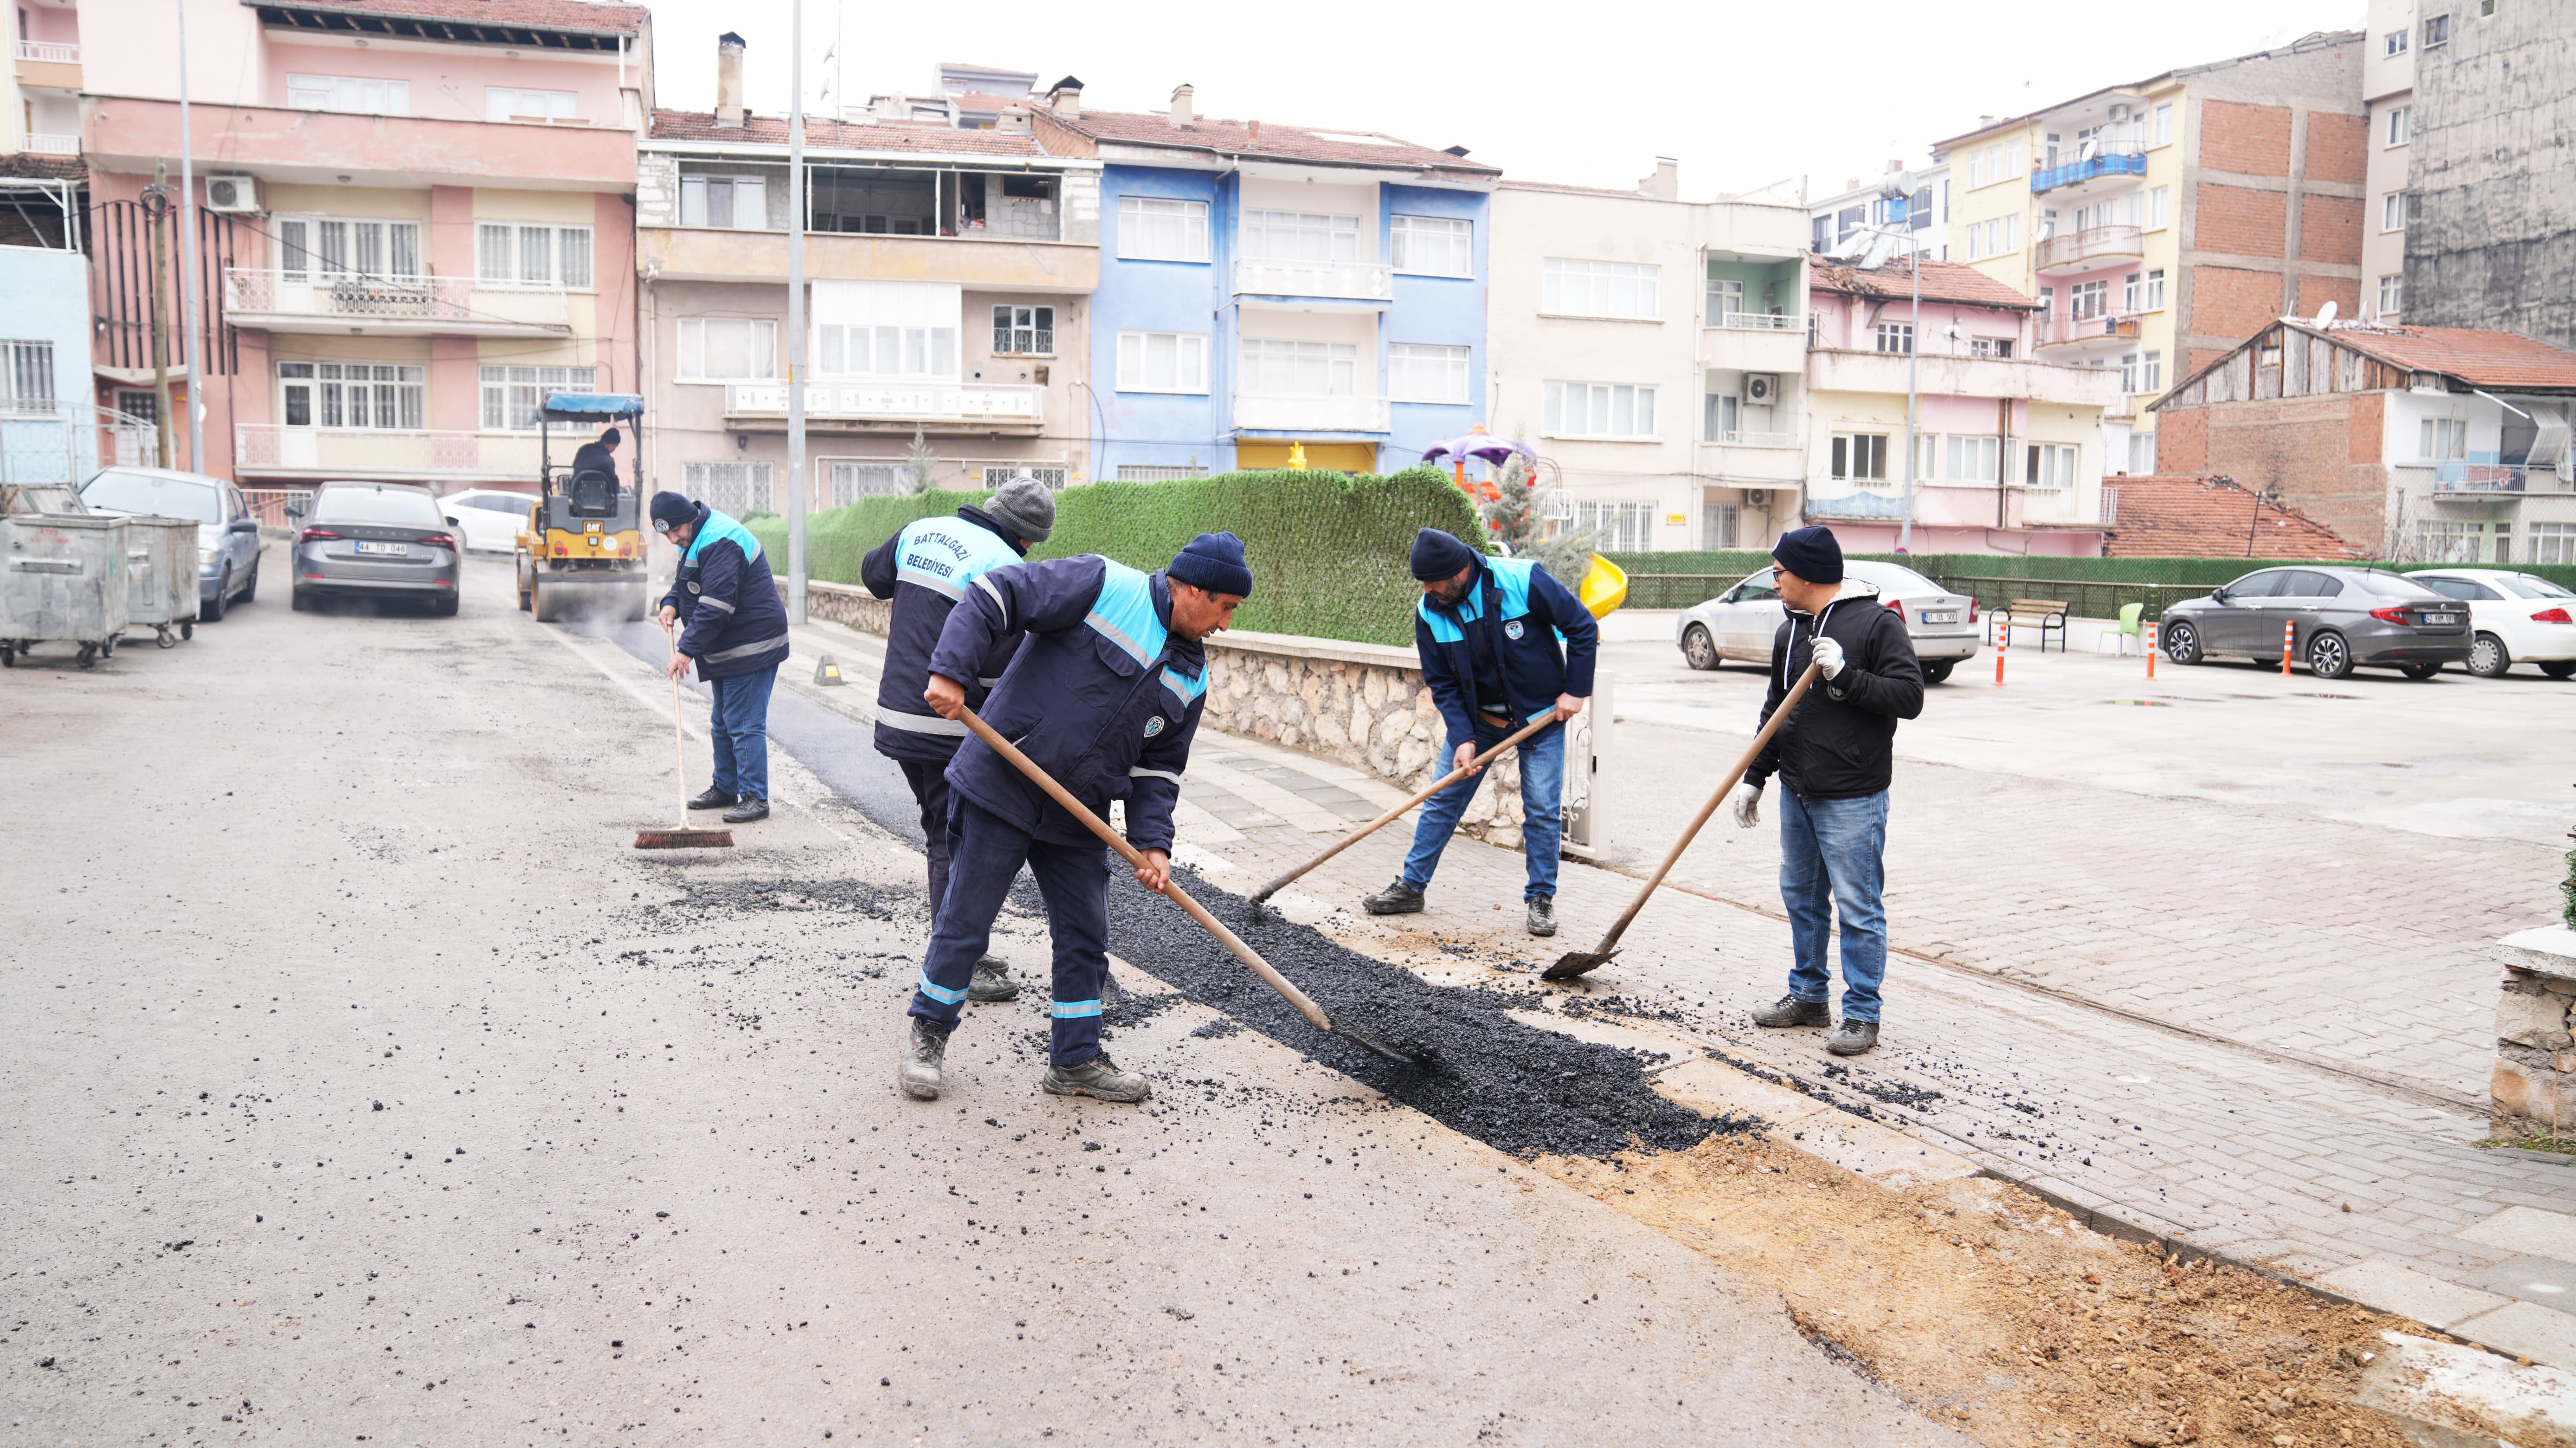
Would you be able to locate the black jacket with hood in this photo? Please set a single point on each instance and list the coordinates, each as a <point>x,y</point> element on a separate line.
<point>1840,742</point>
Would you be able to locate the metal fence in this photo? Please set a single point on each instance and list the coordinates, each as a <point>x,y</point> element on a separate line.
<point>2082,599</point>
<point>269,505</point>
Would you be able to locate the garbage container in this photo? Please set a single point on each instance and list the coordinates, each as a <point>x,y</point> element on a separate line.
<point>63,581</point>
<point>161,576</point>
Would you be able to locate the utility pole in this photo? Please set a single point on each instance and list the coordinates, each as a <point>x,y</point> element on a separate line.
<point>1902,183</point>
<point>796,314</point>
<point>156,213</point>
<point>188,261</point>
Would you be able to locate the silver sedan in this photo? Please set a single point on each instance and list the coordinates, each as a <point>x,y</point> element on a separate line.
<point>1740,623</point>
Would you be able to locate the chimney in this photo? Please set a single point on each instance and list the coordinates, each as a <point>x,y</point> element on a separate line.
<point>1065,98</point>
<point>1895,166</point>
<point>1181,104</point>
<point>729,48</point>
<point>1666,183</point>
<point>1252,130</point>
<point>1014,121</point>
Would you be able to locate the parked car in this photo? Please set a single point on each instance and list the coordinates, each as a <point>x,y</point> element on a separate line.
<point>380,538</point>
<point>1740,623</point>
<point>488,520</point>
<point>227,533</point>
<point>2340,619</point>
<point>2517,618</point>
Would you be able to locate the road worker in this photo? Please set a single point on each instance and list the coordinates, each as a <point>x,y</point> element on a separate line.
<point>735,634</point>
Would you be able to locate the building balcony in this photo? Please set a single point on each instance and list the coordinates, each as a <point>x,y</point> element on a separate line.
<point>48,64</point>
<point>1329,281</point>
<point>43,143</point>
<point>1754,348</point>
<point>2022,379</point>
<point>393,306</point>
<point>970,406</point>
<point>1755,459</point>
<point>274,451</point>
<point>332,148</point>
<point>2474,482</point>
<point>1759,322</point>
<point>2084,332</point>
<point>2091,247</point>
<point>1266,412</point>
<point>2076,173</point>
<point>2073,507</point>
<point>704,254</point>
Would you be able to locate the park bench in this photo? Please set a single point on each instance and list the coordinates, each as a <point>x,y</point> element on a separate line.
<point>2042,613</point>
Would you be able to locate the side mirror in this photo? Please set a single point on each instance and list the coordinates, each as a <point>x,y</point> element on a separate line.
<point>2218,595</point>
<point>295,510</point>
<point>245,525</point>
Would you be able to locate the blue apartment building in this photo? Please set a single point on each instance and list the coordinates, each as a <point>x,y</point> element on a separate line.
<point>1268,288</point>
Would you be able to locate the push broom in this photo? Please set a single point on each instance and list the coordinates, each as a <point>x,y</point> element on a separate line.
<point>686,837</point>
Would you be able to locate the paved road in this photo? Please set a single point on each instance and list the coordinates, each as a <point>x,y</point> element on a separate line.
<point>371,1089</point>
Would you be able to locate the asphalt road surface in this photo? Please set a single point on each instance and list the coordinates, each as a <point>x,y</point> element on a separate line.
<point>370,1088</point>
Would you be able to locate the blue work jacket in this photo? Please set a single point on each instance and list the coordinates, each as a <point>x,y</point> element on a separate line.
<point>1101,695</point>
<point>926,568</point>
<point>728,601</point>
<point>1520,613</point>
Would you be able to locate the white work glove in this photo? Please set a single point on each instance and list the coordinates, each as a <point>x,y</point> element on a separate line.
<point>1748,806</point>
<point>1828,656</point>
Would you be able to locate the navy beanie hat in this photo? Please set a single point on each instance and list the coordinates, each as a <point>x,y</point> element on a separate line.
<point>1811,553</point>
<point>1213,561</point>
<point>1438,555</point>
<point>670,510</point>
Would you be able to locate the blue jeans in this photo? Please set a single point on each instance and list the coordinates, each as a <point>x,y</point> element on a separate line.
<point>1831,864</point>
<point>1542,757</point>
<point>739,729</point>
<point>985,855</point>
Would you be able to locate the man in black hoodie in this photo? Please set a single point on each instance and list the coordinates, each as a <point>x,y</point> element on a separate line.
<point>1835,757</point>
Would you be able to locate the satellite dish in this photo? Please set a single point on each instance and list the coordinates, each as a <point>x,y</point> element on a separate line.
<point>2326,315</point>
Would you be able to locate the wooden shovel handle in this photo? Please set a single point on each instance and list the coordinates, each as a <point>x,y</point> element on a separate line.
<point>1098,826</point>
<point>1443,782</point>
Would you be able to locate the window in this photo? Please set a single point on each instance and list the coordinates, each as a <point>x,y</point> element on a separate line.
<point>1621,527</point>
<point>2086,300</point>
<point>2151,372</point>
<point>1298,369</point>
<point>2552,543</point>
<point>2395,43</point>
<point>329,248</point>
<point>2049,465</point>
<point>2392,295</point>
<point>727,349</point>
<point>27,376</point>
<point>1973,459</point>
<point>1297,236</point>
<point>2437,31</point>
<point>1897,337</point>
<point>1996,237</point>
<point>2129,371</point>
<point>996,474</point>
<point>134,403</point>
<point>1718,525</point>
<point>727,203</point>
<point>1159,472</point>
<point>1998,162</point>
<point>1722,414</point>
<point>1432,246</point>
<point>1420,373</point>
<point>853,481</point>
<point>1860,457</point>
<point>1999,348</point>
<point>2047,305</point>
<point>1162,362</point>
<point>864,350</point>
<point>2443,541</point>
<point>1152,228</point>
<point>507,254</point>
<point>734,488</point>
<point>348,93</point>
<point>2392,211</point>
<point>1725,297</point>
<point>2163,132</point>
<point>2159,208</point>
<point>2155,298</point>
<point>2445,439</point>
<point>1600,289</point>
<point>2401,125</point>
<point>2130,292</point>
<point>512,395</point>
<point>504,103</point>
<point>1024,331</point>
<point>366,396</point>
<point>1597,409</point>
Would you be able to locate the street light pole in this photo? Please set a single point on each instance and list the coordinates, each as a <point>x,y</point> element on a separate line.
<point>1902,183</point>
<point>188,260</point>
<point>796,315</point>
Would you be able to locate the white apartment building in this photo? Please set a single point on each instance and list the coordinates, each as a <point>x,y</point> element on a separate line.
<point>1835,220</point>
<point>2388,91</point>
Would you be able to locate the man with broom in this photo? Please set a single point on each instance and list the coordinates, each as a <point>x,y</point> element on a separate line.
<point>1104,695</point>
<point>734,630</point>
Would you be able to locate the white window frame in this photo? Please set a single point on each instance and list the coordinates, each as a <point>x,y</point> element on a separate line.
<point>690,364</point>
<point>1899,334</point>
<point>2392,212</point>
<point>850,479</point>
<point>2392,294</point>
<point>532,256</point>
<point>2401,127</point>
<point>2155,298</point>
<point>551,105</point>
<point>1601,405</point>
<point>1576,287</point>
<point>2550,542</point>
<point>27,376</point>
<point>2159,208</point>
<point>1432,246</point>
<point>1160,472</point>
<point>2443,440</point>
<point>2162,117</point>
<point>1426,372</point>
<point>698,198</point>
<point>2050,466</point>
<point>350,95</point>
<point>1054,475</point>
<point>1188,360</point>
<point>2437,30</point>
<point>321,249</point>
<point>1162,228</point>
<point>1971,458</point>
<point>1843,456</point>
<point>356,396</point>
<point>912,352</point>
<point>511,395</point>
<point>1310,369</point>
<point>1623,525</point>
<point>2395,43</point>
<point>756,479</point>
<point>1014,323</point>
<point>2151,372</point>
<point>2088,300</point>
<point>1314,238</point>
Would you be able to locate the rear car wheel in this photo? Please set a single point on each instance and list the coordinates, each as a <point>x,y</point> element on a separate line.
<point>2182,643</point>
<point>2419,671</point>
<point>444,607</point>
<point>1698,649</point>
<point>2489,658</point>
<point>1938,670</point>
<point>2559,668</point>
<point>2329,657</point>
<point>213,611</point>
<point>298,600</point>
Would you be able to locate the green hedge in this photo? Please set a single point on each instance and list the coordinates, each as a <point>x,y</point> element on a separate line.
<point>1327,549</point>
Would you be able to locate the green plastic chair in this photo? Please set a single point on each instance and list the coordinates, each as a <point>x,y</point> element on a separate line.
<point>2128,629</point>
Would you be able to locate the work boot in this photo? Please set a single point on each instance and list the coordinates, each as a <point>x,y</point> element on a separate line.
<point>1396,899</point>
<point>1852,1037</point>
<point>1099,1077</point>
<point>992,982</point>
<point>918,1074</point>
<point>1542,916</point>
<point>752,807</point>
<point>715,798</point>
<point>1788,1010</point>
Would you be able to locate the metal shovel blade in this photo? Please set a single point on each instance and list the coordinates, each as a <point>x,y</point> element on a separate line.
<point>1578,962</point>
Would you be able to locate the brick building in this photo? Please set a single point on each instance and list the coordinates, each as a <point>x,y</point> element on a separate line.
<point>2431,444</point>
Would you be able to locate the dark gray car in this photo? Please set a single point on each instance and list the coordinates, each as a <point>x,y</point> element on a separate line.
<point>380,538</point>
<point>2338,619</point>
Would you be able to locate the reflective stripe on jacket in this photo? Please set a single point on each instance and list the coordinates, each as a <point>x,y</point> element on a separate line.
<point>926,568</point>
<point>1525,615</point>
<point>728,601</point>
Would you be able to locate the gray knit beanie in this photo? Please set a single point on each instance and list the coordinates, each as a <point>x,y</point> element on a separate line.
<point>1024,506</point>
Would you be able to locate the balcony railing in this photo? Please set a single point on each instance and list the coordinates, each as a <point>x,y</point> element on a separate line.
<point>1360,281</point>
<point>1756,439</point>
<point>1760,322</point>
<point>41,143</point>
<point>1265,412</point>
<point>2070,328</point>
<point>2087,170</point>
<point>49,52</point>
<point>2092,242</point>
<point>2458,479</point>
<point>922,401</point>
<point>432,302</point>
<point>272,449</point>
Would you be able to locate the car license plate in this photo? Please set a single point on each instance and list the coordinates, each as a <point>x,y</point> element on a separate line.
<point>396,549</point>
<point>2441,618</point>
<point>1947,615</point>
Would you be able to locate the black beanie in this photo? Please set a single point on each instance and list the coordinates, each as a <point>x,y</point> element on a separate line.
<point>1438,555</point>
<point>670,510</point>
<point>1213,561</point>
<point>1811,553</point>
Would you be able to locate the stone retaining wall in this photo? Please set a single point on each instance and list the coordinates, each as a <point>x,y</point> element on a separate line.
<point>2534,1084</point>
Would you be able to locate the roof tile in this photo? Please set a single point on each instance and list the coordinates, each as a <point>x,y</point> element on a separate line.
<point>1943,281</point>
<point>2482,359</point>
<point>579,15</point>
<point>758,130</point>
<point>2186,517</point>
<point>1276,139</point>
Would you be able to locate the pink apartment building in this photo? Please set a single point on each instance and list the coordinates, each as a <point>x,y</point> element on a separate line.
<point>416,216</point>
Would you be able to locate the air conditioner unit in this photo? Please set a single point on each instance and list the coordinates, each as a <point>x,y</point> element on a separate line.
<point>2119,114</point>
<point>232,193</point>
<point>1761,389</point>
<point>1758,497</point>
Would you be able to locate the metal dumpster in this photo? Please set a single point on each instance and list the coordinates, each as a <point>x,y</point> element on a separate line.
<point>161,576</point>
<point>62,580</point>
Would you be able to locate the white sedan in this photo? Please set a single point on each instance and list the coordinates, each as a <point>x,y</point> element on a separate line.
<point>1740,623</point>
<point>489,518</point>
<point>2518,618</point>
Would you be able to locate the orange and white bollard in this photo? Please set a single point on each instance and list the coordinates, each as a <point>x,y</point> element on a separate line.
<point>2289,635</point>
<point>2003,641</point>
<point>2151,648</point>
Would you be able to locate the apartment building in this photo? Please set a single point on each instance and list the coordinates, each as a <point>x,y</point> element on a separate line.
<point>1857,213</point>
<point>44,85</point>
<point>949,274</point>
<point>1651,351</point>
<point>2008,450</point>
<point>2160,223</point>
<point>1268,291</point>
<point>413,221</point>
<point>2388,94</point>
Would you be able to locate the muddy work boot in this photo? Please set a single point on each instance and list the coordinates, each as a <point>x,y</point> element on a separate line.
<point>751,808</point>
<point>1396,899</point>
<point>992,982</point>
<point>1788,1010</point>
<point>1099,1077</point>
<point>1542,917</point>
<point>918,1074</point>
<point>1852,1037</point>
<point>714,798</point>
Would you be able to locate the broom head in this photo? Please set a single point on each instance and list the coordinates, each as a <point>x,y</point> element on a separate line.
<point>684,839</point>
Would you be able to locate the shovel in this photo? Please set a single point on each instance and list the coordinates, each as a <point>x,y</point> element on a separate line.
<point>1576,963</point>
<point>687,836</point>
<point>1305,1005</point>
<point>1446,780</point>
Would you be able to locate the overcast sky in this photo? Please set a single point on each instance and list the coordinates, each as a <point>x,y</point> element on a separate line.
<point>1742,95</point>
